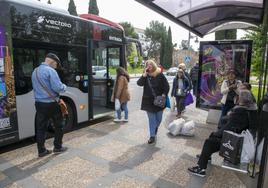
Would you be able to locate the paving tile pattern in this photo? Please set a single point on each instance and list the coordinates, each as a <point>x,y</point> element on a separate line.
<point>118,156</point>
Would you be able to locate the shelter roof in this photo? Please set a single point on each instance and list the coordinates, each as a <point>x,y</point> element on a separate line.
<point>204,16</point>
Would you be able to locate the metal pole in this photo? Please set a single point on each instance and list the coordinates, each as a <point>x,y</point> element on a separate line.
<point>189,38</point>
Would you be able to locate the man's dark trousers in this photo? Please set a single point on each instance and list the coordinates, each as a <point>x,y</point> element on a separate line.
<point>211,145</point>
<point>45,112</point>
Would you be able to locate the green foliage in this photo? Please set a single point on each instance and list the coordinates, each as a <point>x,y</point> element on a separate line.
<point>137,70</point>
<point>49,2</point>
<point>131,57</point>
<point>154,33</point>
<point>169,51</point>
<point>160,43</point>
<point>255,90</point>
<point>225,34</point>
<point>166,50</point>
<point>255,35</point>
<point>163,49</point>
<point>129,30</point>
<point>93,7</point>
<point>72,8</point>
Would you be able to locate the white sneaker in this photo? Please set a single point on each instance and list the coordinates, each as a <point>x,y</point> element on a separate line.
<point>125,120</point>
<point>117,120</point>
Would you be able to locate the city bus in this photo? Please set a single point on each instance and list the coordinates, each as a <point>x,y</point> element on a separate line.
<point>90,49</point>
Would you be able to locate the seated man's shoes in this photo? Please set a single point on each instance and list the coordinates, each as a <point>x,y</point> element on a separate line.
<point>196,170</point>
<point>46,152</point>
<point>60,150</point>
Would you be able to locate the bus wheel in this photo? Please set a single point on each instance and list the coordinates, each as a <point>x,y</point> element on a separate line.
<point>68,122</point>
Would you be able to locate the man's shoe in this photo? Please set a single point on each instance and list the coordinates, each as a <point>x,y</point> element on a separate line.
<point>46,152</point>
<point>151,140</point>
<point>198,156</point>
<point>196,170</point>
<point>60,150</point>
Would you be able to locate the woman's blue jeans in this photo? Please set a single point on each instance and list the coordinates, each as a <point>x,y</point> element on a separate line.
<point>155,119</point>
<point>123,108</point>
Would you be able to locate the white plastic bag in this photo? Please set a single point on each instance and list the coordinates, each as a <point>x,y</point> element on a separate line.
<point>117,104</point>
<point>175,126</point>
<point>172,104</point>
<point>248,149</point>
<point>188,128</point>
<point>259,151</point>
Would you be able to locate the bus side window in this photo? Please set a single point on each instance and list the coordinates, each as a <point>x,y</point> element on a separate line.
<point>23,68</point>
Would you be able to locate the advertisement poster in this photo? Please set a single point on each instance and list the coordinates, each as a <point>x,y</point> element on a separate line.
<point>216,58</point>
<point>7,90</point>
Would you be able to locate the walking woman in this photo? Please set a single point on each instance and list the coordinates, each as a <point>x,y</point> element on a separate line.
<point>154,84</point>
<point>121,93</point>
<point>181,86</point>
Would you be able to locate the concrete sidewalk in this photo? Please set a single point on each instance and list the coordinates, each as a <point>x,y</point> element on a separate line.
<point>117,155</point>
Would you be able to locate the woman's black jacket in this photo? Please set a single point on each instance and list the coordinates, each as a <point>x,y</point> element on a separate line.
<point>160,86</point>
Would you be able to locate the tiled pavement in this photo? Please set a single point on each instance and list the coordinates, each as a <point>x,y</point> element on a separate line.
<point>117,156</point>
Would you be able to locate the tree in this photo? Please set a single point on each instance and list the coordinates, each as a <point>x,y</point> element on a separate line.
<point>129,30</point>
<point>93,7</point>
<point>169,50</point>
<point>163,48</point>
<point>225,34</point>
<point>255,35</point>
<point>154,35</point>
<point>49,2</point>
<point>133,54</point>
<point>72,8</point>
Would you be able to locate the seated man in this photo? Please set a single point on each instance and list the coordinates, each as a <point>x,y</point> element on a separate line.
<point>239,120</point>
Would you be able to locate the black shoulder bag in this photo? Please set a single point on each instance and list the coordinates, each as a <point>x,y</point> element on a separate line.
<point>159,101</point>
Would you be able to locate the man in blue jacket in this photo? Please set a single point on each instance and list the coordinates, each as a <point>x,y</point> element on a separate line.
<point>46,88</point>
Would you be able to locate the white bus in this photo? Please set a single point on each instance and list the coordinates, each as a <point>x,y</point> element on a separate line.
<point>28,31</point>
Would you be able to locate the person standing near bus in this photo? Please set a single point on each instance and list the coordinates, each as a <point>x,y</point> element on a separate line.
<point>121,93</point>
<point>46,88</point>
<point>154,83</point>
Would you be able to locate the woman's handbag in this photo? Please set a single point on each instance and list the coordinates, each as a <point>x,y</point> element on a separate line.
<point>188,99</point>
<point>159,101</point>
<point>62,105</point>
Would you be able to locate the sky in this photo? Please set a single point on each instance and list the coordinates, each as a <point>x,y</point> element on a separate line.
<point>135,13</point>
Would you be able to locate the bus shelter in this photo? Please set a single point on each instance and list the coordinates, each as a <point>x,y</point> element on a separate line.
<point>205,16</point>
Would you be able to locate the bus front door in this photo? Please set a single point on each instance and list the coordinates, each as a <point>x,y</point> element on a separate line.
<point>104,61</point>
